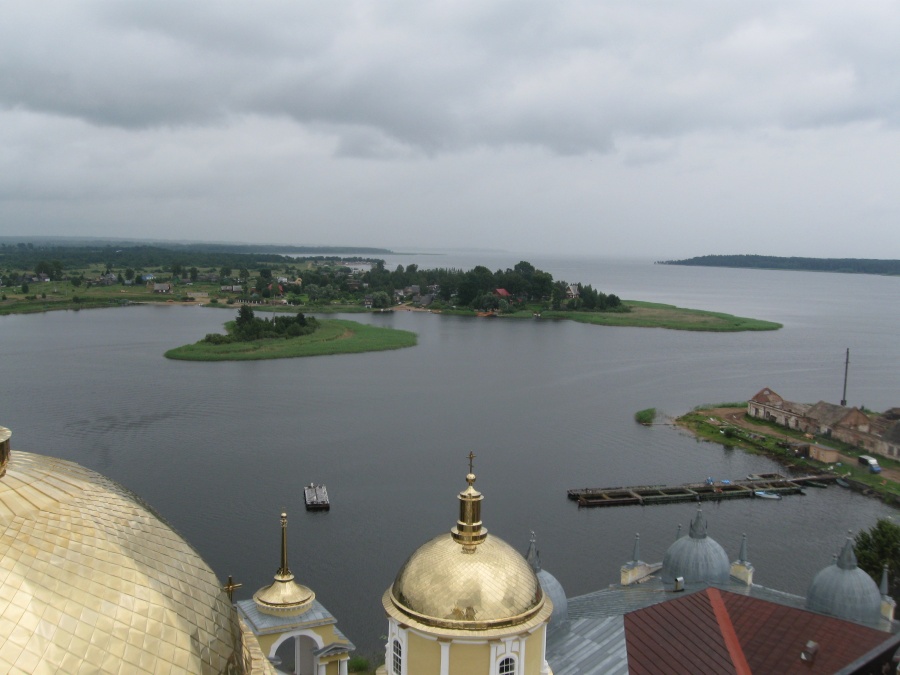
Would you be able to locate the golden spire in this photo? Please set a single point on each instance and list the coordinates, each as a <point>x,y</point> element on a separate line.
<point>469,531</point>
<point>284,595</point>
<point>284,570</point>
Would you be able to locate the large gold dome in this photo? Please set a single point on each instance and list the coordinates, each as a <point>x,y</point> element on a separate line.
<point>92,581</point>
<point>444,585</point>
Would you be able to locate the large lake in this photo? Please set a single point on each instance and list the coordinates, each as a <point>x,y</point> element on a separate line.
<point>219,449</point>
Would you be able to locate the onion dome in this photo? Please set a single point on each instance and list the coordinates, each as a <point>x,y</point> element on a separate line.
<point>95,582</point>
<point>845,591</point>
<point>549,584</point>
<point>284,596</point>
<point>466,579</point>
<point>697,558</point>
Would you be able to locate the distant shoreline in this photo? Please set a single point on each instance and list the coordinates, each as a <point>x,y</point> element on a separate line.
<point>766,262</point>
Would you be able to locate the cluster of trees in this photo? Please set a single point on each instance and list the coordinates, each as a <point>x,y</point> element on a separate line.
<point>476,287</point>
<point>879,546</point>
<point>248,327</point>
<point>326,282</point>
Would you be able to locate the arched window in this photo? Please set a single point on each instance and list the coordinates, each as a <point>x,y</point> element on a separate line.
<point>507,666</point>
<point>398,658</point>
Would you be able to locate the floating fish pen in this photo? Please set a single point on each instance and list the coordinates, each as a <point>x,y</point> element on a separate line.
<point>695,492</point>
<point>316,497</point>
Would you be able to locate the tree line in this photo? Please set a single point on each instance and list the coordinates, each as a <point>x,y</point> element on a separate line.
<point>248,327</point>
<point>768,262</point>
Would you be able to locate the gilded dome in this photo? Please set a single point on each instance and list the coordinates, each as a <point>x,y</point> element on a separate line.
<point>443,585</point>
<point>93,581</point>
<point>467,580</point>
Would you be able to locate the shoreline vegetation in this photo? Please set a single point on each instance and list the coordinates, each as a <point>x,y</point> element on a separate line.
<point>645,416</point>
<point>331,337</point>
<point>728,425</point>
<point>40,278</point>
<point>768,262</point>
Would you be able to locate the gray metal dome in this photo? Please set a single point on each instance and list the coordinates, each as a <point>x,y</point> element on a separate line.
<point>845,591</point>
<point>697,558</point>
<point>549,584</point>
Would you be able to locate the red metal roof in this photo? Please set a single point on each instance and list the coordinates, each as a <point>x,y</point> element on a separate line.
<point>717,631</point>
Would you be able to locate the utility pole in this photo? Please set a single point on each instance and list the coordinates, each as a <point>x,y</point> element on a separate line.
<point>846,368</point>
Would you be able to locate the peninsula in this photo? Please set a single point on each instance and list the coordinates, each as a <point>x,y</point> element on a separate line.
<point>43,277</point>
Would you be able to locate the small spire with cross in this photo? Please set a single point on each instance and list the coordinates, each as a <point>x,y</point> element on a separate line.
<point>230,588</point>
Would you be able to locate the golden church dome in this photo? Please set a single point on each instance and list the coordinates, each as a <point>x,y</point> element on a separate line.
<point>443,585</point>
<point>93,581</point>
<point>467,580</point>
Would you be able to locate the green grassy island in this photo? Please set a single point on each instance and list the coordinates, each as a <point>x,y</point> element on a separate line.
<point>331,336</point>
<point>656,315</point>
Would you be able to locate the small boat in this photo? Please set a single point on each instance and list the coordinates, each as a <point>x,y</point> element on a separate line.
<point>316,497</point>
<point>842,483</point>
<point>815,484</point>
<point>766,495</point>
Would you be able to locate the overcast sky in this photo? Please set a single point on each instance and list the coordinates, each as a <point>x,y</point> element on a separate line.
<point>640,128</point>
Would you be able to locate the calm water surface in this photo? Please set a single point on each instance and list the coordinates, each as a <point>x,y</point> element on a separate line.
<point>219,449</point>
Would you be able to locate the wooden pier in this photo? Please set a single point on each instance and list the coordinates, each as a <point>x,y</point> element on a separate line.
<point>697,492</point>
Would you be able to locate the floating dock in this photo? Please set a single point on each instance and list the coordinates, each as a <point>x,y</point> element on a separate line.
<point>316,497</point>
<point>696,492</point>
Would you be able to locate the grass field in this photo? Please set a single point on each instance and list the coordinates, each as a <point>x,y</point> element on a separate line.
<point>335,336</point>
<point>655,315</point>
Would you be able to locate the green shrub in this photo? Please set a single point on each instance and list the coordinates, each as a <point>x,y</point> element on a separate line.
<point>645,416</point>
<point>358,664</point>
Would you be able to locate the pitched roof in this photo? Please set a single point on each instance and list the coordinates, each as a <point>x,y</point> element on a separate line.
<point>767,396</point>
<point>826,413</point>
<point>718,631</point>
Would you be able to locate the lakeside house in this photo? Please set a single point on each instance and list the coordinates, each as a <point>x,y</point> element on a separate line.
<point>879,434</point>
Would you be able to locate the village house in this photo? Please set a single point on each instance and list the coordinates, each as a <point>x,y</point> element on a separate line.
<point>769,406</point>
<point>162,288</point>
<point>879,435</point>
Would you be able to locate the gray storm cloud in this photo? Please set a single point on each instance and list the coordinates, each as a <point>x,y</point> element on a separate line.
<point>177,101</point>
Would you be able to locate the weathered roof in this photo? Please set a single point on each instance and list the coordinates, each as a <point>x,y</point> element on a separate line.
<point>767,397</point>
<point>827,414</point>
<point>609,627</point>
<point>589,647</point>
<point>722,632</point>
<point>892,434</point>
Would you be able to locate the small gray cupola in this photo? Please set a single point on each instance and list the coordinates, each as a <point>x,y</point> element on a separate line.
<point>845,591</point>
<point>551,587</point>
<point>697,558</point>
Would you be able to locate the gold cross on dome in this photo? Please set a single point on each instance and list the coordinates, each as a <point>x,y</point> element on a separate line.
<point>471,458</point>
<point>231,587</point>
